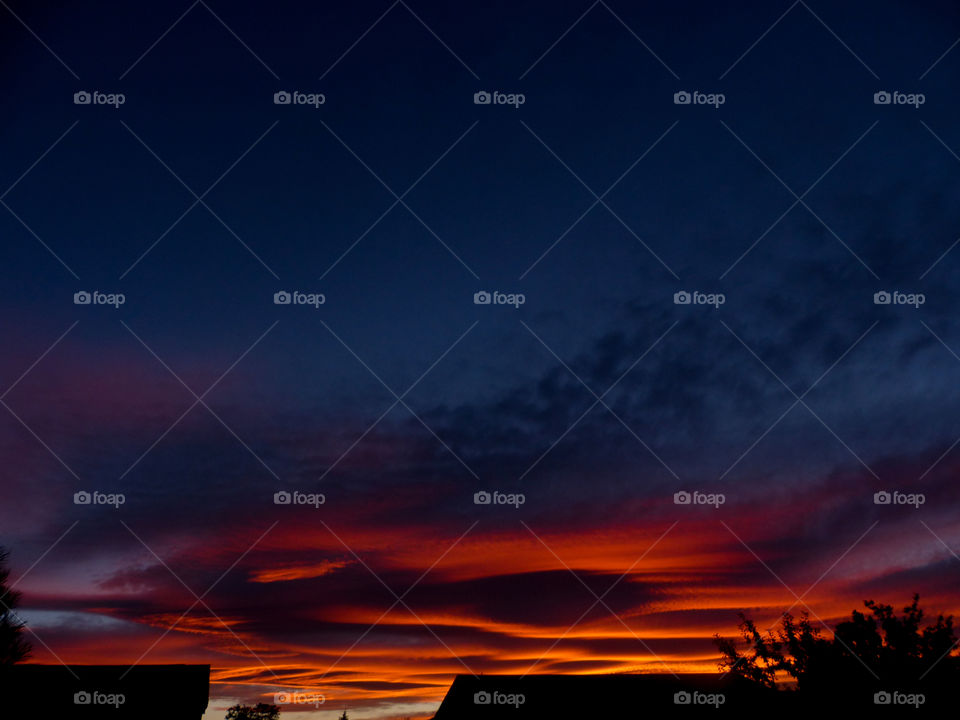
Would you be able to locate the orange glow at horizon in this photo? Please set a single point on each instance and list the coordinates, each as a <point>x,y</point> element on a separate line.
<point>325,632</point>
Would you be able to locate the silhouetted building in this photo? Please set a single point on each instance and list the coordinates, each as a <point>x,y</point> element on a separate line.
<point>582,697</point>
<point>143,692</point>
<point>595,696</point>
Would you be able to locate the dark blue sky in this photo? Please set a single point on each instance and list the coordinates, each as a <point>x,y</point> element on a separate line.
<point>299,200</point>
<point>599,198</point>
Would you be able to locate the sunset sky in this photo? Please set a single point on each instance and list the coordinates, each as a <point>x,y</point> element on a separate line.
<point>399,398</point>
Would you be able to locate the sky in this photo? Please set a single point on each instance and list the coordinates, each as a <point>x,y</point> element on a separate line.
<point>787,200</point>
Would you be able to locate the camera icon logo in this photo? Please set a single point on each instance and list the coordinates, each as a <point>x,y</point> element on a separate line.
<point>282,498</point>
<point>82,98</point>
<point>681,498</point>
<point>482,98</point>
<point>81,298</point>
<point>481,298</point>
<point>282,98</point>
<point>882,498</point>
<point>881,98</point>
<point>881,298</point>
<point>281,298</point>
<point>682,98</point>
<point>882,698</point>
<point>82,698</point>
<point>682,698</point>
<point>82,498</point>
<point>681,298</point>
<point>481,498</point>
<point>482,698</point>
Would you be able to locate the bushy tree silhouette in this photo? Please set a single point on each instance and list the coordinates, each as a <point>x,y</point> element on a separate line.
<point>879,649</point>
<point>13,646</point>
<point>260,711</point>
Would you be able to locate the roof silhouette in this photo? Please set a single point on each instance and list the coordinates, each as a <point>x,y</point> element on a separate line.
<point>558,697</point>
<point>144,692</point>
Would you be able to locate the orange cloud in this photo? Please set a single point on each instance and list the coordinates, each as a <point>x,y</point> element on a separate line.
<point>297,572</point>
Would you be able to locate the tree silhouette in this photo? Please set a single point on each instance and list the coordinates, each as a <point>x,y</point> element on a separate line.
<point>260,711</point>
<point>879,648</point>
<point>13,647</point>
